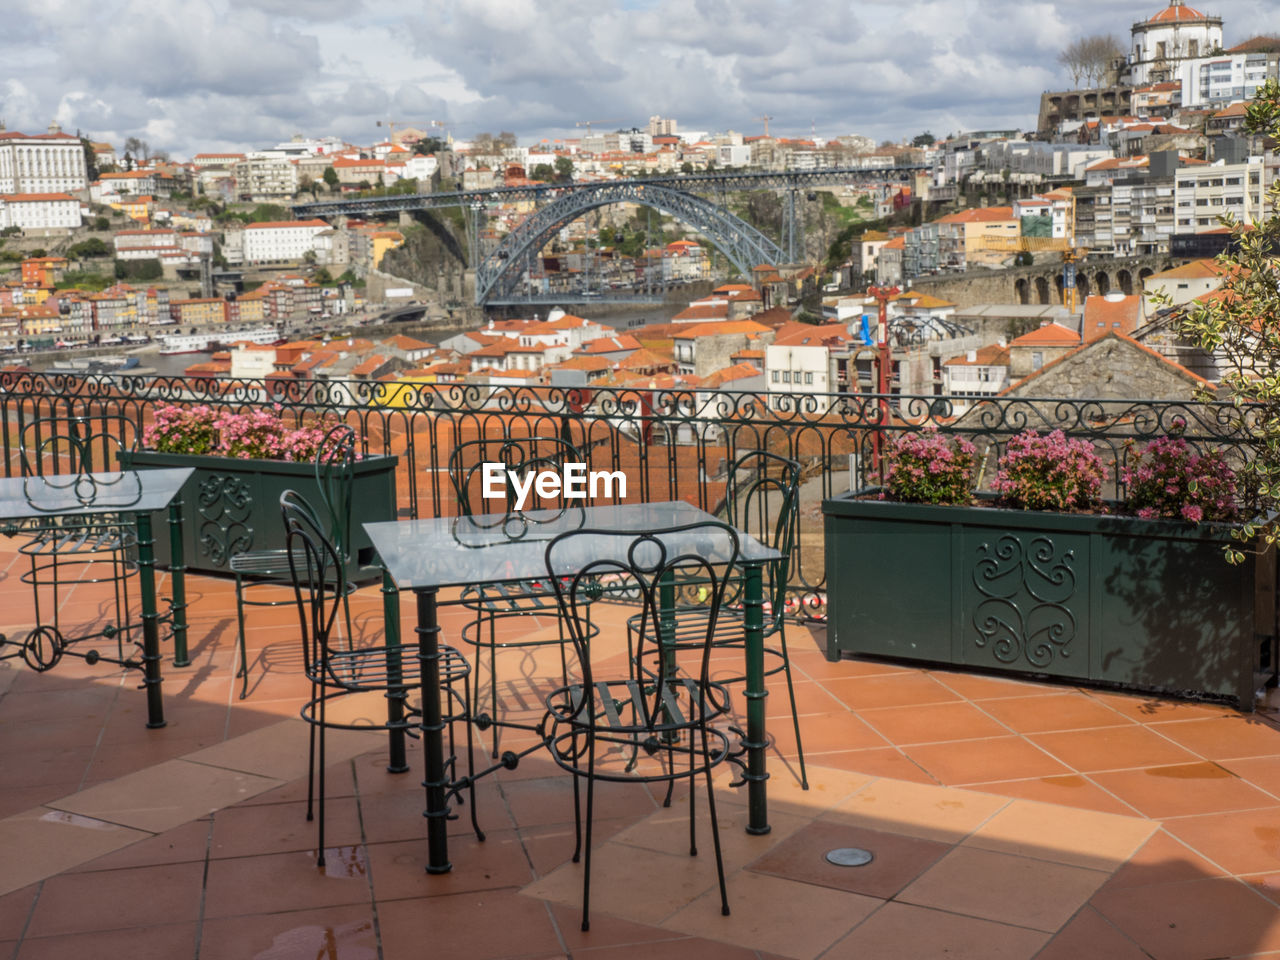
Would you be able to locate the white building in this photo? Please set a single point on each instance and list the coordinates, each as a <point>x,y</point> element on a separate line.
<point>976,375</point>
<point>40,212</point>
<point>1221,80</point>
<point>1176,33</point>
<point>1204,193</point>
<point>266,175</point>
<point>50,162</point>
<point>798,364</point>
<point>284,240</point>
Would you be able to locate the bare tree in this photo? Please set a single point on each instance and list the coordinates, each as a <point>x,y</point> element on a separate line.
<point>1089,58</point>
<point>1073,58</point>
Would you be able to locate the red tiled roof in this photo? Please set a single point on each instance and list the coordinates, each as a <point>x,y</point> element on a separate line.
<point>992,355</point>
<point>1048,335</point>
<point>1177,12</point>
<point>1104,315</point>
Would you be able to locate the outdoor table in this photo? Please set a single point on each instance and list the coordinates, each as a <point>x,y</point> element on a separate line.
<point>426,555</point>
<point>134,494</point>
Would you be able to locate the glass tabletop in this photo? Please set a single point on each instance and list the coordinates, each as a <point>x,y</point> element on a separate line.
<point>492,548</point>
<point>140,491</point>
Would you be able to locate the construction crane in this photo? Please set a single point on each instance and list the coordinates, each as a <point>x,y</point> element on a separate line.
<point>1071,254</point>
<point>764,119</point>
<point>588,123</point>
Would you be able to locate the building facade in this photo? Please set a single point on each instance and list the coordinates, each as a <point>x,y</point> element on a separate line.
<point>50,162</point>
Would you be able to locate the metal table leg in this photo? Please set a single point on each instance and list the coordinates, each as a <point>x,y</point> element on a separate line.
<point>396,761</point>
<point>757,741</point>
<point>436,780</point>
<point>178,582</point>
<point>150,621</point>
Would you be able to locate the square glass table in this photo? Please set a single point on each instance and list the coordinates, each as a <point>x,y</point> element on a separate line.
<point>427,555</point>
<point>25,501</point>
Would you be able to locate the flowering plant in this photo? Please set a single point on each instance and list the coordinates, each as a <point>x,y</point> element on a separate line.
<point>1050,472</point>
<point>257,435</point>
<point>925,467</point>
<point>1167,479</point>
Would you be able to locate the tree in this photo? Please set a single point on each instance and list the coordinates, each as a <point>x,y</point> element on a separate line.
<point>506,139</point>
<point>429,145</point>
<point>1089,58</point>
<point>90,159</point>
<point>330,178</point>
<point>101,223</point>
<point>135,147</point>
<point>686,167</point>
<point>544,172</point>
<point>323,277</point>
<point>93,247</point>
<point>925,139</point>
<point>1240,326</point>
<point>564,169</point>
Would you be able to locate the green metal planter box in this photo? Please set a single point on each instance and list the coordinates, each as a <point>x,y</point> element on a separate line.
<point>231,505</point>
<point>1144,604</point>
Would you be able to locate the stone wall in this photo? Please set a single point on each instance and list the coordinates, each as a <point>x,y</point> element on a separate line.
<point>1110,368</point>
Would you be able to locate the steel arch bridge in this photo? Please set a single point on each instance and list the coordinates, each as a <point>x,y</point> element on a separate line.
<point>499,272</point>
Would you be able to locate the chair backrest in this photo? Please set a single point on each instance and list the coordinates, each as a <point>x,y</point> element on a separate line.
<point>518,455</point>
<point>335,476</point>
<point>585,565</point>
<point>75,444</point>
<point>318,576</point>
<point>762,498</point>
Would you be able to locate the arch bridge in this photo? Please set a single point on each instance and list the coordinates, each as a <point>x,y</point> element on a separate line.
<point>499,271</point>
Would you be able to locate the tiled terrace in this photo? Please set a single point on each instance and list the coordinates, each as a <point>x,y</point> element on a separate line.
<point>1008,820</point>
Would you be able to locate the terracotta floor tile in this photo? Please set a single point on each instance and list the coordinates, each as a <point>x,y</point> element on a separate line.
<point>141,943</point>
<point>828,786</point>
<point>977,761</point>
<point>943,814</point>
<point>633,883</point>
<point>677,948</point>
<point>550,846</point>
<point>819,668</point>
<point>811,697</point>
<point>1217,917</point>
<point>898,859</point>
<point>1082,838</point>
<point>335,933</point>
<point>978,686</point>
<point>1070,790</point>
<point>1183,790</point>
<point>1246,841</point>
<point>877,762</point>
<point>547,801</point>
<point>1162,859</point>
<point>1089,934</point>
<point>165,795</point>
<point>17,800</point>
<point>180,845</point>
<point>824,732</point>
<point>280,750</point>
<point>902,931</point>
<point>40,843</point>
<point>607,931</point>
<point>464,925</point>
<point>15,909</point>
<point>1053,711</point>
<point>1262,772</point>
<point>1151,709</point>
<point>1111,748</point>
<point>1267,884</point>
<point>932,723</point>
<point>278,882</point>
<point>117,899</point>
<point>246,831</point>
<point>52,765</point>
<point>399,868</point>
<point>1224,738</point>
<point>398,815</point>
<point>815,917</point>
<point>892,690</point>
<point>1005,888</point>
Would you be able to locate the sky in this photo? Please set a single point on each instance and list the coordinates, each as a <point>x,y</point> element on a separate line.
<point>204,75</point>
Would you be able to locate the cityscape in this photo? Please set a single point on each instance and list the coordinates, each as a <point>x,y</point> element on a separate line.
<point>640,479</point>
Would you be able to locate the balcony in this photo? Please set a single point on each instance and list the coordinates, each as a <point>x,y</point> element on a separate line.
<point>1008,817</point>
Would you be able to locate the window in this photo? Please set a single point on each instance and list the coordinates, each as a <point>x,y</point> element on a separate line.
<point>808,378</point>
<point>786,376</point>
<point>775,376</point>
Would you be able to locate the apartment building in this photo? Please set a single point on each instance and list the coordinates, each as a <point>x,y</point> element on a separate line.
<point>1233,75</point>
<point>282,241</point>
<point>264,176</point>
<point>50,162</point>
<point>1204,193</point>
<point>40,213</point>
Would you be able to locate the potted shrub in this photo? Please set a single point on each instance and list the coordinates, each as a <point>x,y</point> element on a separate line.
<point>1042,576</point>
<point>243,462</point>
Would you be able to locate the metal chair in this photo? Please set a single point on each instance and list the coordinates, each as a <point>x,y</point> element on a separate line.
<point>103,546</point>
<point>633,728</point>
<point>493,602</point>
<point>317,573</point>
<point>334,471</point>
<point>762,498</point>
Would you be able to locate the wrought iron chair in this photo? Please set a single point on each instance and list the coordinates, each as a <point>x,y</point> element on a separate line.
<point>317,573</point>
<point>635,728</point>
<point>254,569</point>
<point>102,547</point>
<point>493,602</point>
<point>762,498</point>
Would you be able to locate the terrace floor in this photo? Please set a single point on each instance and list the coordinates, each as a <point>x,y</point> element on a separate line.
<point>1008,820</point>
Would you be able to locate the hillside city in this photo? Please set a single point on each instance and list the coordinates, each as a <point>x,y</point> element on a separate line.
<point>1014,262</point>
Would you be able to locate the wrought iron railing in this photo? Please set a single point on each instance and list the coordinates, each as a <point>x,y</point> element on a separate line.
<point>670,444</point>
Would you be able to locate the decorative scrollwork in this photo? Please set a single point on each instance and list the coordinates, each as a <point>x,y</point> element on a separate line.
<point>224,504</point>
<point>42,648</point>
<point>1026,589</point>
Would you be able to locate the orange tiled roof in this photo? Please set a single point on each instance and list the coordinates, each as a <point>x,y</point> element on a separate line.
<point>1047,335</point>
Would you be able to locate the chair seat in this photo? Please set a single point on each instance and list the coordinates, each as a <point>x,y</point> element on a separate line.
<point>366,669</point>
<point>61,541</point>
<point>622,705</point>
<point>262,563</point>
<point>512,598</point>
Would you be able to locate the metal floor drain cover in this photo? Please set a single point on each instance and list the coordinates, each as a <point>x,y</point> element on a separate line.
<point>850,857</point>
